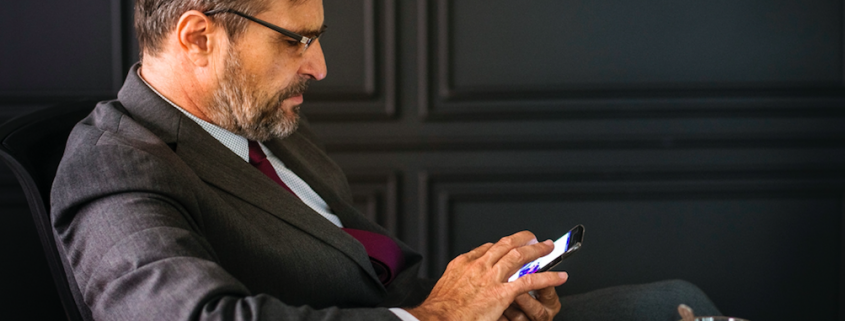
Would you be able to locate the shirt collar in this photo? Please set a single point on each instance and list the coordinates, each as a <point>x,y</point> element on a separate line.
<point>237,144</point>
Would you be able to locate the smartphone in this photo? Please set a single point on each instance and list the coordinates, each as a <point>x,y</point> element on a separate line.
<point>564,247</point>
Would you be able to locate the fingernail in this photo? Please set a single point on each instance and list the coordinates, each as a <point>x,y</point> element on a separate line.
<point>549,242</point>
<point>563,275</point>
<point>532,241</point>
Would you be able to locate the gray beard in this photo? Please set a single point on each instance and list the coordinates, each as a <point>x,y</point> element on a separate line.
<point>238,107</point>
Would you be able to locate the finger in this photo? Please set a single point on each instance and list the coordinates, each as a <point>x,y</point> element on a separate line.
<point>531,307</point>
<point>507,243</point>
<point>470,256</point>
<point>478,251</point>
<point>513,313</point>
<point>516,258</point>
<point>548,296</point>
<point>503,318</point>
<point>537,281</point>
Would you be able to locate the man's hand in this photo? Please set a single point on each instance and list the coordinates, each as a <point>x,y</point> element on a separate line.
<point>475,287</point>
<point>526,307</point>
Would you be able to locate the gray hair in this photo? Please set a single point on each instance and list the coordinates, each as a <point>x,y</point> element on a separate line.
<point>154,19</point>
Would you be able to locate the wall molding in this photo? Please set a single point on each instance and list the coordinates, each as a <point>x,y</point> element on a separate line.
<point>440,190</point>
<point>441,101</point>
<point>378,100</point>
<point>379,192</point>
<point>599,142</point>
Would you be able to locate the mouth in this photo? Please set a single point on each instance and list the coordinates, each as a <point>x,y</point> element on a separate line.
<point>296,100</point>
<point>293,93</point>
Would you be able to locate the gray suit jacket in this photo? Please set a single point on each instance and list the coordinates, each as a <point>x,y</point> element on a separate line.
<point>162,222</point>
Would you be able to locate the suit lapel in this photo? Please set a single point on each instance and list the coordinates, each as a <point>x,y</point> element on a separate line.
<point>307,160</point>
<point>220,167</point>
<point>231,174</point>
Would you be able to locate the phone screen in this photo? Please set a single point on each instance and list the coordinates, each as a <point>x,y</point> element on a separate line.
<point>561,246</point>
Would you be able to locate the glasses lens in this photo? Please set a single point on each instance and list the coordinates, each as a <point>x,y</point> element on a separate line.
<point>312,40</point>
<point>305,46</point>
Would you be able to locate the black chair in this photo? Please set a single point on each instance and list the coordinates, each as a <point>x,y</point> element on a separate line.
<point>32,146</point>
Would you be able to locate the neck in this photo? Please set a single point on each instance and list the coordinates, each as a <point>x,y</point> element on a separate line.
<point>177,85</point>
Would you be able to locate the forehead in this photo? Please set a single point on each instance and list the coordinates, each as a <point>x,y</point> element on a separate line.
<point>298,16</point>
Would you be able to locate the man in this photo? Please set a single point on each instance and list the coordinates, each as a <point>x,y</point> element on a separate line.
<point>200,194</point>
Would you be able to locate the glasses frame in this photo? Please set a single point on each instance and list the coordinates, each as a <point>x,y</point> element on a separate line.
<point>307,41</point>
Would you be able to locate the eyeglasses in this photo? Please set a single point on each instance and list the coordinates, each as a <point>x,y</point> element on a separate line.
<point>306,41</point>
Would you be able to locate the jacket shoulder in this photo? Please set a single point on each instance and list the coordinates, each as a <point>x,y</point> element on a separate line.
<point>108,153</point>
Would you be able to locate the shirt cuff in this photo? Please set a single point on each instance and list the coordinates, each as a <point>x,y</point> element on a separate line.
<point>403,315</point>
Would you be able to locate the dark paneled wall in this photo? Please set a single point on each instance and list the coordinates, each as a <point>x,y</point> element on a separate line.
<point>695,140</point>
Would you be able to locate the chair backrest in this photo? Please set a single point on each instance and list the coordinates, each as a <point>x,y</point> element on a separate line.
<point>32,145</point>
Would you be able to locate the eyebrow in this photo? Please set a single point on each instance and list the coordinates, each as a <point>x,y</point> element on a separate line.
<point>309,32</point>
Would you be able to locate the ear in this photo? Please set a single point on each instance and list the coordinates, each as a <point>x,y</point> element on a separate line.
<point>197,37</point>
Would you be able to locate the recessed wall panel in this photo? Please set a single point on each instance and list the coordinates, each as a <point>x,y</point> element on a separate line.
<point>772,235</point>
<point>561,59</point>
<point>375,194</point>
<point>55,48</point>
<point>347,46</point>
<point>749,254</point>
<point>516,45</point>
<point>360,57</point>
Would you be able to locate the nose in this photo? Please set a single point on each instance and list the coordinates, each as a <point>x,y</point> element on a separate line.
<point>314,64</point>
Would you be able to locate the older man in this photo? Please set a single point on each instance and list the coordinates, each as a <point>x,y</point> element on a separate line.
<point>200,193</point>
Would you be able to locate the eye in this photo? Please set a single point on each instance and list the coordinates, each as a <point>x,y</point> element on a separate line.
<point>287,41</point>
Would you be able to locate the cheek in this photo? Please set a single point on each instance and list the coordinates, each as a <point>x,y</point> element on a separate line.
<point>281,73</point>
<point>271,69</point>
<point>261,62</point>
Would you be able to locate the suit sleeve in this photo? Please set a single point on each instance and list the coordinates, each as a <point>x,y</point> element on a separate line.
<point>137,250</point>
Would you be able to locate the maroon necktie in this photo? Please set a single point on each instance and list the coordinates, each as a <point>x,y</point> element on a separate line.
<point>385,255</point>
<point>258,159</point>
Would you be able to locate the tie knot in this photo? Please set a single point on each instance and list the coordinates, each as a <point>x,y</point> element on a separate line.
<point>256,155</point>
